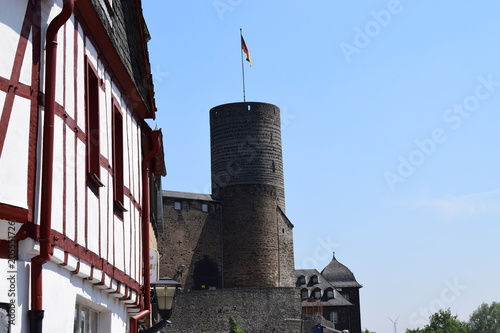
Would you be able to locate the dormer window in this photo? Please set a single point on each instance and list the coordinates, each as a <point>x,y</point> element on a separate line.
<point>317,293</point>
<point>302,279</point>
<point>330,293</point>
<point>304,293</point>
<point>314,279</point>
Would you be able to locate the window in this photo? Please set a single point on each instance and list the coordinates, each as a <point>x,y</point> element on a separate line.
<point>314,279</point>
<point>304,293</point>
<point>317,293</point>
<point>330,293</point>
<point>334,317</point>
<point>302,279</point>
<point>204,208</point>
<point>177,205</point>
<point>86,320</point>
<point>118,158</point>
<point>346,296</point>
<point>92,126</point>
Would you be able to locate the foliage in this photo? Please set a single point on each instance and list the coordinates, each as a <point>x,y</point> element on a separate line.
<point>234,326</point>
<point>442,322</point>
<point>368,331</point>
<point>485,319</point>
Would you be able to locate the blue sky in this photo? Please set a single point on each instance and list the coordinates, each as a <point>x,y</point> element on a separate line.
<point>390,117</point>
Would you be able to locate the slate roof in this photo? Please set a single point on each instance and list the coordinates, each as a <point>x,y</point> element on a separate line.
<point>322,284</point>
<point>339,275</point>
<point>188,196</point>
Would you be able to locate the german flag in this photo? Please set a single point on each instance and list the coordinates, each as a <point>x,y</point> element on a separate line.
<point>245,49</point>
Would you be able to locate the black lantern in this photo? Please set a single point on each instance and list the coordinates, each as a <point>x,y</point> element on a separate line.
<point>165,289</point>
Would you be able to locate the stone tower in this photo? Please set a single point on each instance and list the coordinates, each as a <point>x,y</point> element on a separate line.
<point>247,177</point>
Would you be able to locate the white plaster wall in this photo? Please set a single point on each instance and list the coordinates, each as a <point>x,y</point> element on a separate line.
<point>58,176</point>
<point>25,75</point>
<point>60,63</point>
<point>81,187</point>
<point>111,229</point>
<point>61,292</point>
<point>119,245</point>
<point>10,27</point>
<point>70,81</point>
<point>80,94</point>
<point>70,186</point>
<point>105,124</point>
<point>14,159</point>
<point>105,232</point>
<point>92,222</point>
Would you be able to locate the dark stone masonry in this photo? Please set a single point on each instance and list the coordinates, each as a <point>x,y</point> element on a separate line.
<point>232,250</point>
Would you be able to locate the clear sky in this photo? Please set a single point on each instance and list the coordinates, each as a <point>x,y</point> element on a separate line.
<point>390,129</point>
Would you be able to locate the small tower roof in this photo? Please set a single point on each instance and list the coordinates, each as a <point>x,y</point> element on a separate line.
<point>339,275</point>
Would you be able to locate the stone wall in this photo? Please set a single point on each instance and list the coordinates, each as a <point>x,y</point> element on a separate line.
<point>266,310</point>
<point>191,237</point>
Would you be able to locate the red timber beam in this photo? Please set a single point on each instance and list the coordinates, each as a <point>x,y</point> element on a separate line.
<point>81,253</point>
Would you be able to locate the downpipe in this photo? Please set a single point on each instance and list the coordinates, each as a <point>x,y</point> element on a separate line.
<point>155,136</point>
<point>36,312</point>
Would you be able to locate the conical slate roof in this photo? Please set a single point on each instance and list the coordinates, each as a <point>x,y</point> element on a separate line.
<point>339,275</point>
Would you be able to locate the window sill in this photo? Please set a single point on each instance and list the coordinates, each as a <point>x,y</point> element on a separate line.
<point>95,180</point>
<point>119,206</point>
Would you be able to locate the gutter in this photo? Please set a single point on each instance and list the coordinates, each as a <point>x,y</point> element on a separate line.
<point>36,312</point>
<point>155,136</point>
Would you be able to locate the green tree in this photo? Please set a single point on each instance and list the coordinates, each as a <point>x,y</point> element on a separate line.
<point>442,322</point>
<point>234,326</point>
<point>485,319</point>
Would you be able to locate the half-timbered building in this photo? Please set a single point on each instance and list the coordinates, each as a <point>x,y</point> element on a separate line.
<point>78,166</point>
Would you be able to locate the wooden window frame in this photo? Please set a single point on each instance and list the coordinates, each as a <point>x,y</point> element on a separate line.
<point>118,158</point>
<point>92,116</point>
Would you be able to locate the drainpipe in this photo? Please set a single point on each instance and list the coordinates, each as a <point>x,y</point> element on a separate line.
<point>36,312</point>
<point>155,136</point>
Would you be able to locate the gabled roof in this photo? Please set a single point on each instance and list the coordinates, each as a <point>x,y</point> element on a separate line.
<point>339,275</point>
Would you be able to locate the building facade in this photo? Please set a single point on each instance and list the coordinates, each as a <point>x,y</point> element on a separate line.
<point>333,294</point>
<point>79,166</point>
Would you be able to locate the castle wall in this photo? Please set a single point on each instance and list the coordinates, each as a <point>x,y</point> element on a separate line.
<point>269,310</point>
<point>190,235</point>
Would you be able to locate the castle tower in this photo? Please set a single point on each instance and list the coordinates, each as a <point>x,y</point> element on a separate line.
<point>247,176</point>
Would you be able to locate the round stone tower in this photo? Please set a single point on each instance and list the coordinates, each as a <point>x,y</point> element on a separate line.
<point>247,176</point>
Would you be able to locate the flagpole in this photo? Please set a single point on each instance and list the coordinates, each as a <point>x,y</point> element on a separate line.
<point>242,67</point>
